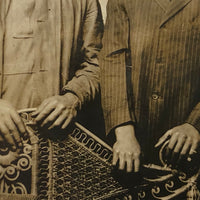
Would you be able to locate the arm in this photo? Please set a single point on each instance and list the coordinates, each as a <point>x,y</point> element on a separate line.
<point>113,87</point>
<point>85,83</point>
<point>113,66</point>
<point>58,111</point>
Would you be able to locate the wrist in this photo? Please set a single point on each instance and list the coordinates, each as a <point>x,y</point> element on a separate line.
<point>69,96</point>
<point>126,132</point>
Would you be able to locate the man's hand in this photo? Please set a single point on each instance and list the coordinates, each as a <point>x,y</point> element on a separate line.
<point>126,149</point>
<point>184,141</point>
<point>57,111</point>
<point>11,126</point>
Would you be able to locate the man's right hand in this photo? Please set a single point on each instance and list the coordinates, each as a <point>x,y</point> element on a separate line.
<point>126,149</point>
<point>11,126</point>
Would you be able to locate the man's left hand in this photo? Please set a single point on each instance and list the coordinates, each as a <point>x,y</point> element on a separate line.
<point>57,111</point>
<point>184,141</point>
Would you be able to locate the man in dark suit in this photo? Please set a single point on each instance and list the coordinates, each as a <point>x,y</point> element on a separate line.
<point>150,79</point>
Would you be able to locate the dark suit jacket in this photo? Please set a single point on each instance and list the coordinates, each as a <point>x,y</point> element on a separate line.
<point>150,65</point>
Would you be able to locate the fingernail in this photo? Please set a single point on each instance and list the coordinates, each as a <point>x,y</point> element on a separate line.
<point>20,144</point>
<point>156,145</point>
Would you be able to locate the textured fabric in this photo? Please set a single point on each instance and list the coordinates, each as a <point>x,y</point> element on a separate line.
<point>162,48</point>
<point>52,48</point>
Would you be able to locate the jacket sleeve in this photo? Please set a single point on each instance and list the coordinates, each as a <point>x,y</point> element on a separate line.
<point>85,83</point>
<point>113,66</point>
<point>194,117</point>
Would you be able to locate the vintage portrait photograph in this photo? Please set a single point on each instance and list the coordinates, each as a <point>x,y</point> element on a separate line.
<point>100,99</point>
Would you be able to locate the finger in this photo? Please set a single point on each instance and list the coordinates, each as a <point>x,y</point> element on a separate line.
<point>174,158</point>
<point>19,123</point>
<point>168,155</point>
<point>67,122</point>
<point>45,111</point>
<point>115,157</point>
<point>136,165</point>
<point>185,149</point>
<point>52,117</point>
<point>121,161</point>
<point>193,149</point>
<point>166,136</point>
<point>169,150</point>
<point>130,197</point>
<point>60,120</point>
<point>129,165</point>
<point>129,161</point>
<point>40,108</point>
<point>179,145</point>
<point>6,135</point>
<point>13,131</point>
<point>173,141</point>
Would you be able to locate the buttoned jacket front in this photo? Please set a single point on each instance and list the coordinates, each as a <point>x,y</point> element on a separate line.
<point>151,66</point>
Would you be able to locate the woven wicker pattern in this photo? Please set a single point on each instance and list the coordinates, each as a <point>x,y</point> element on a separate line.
<point>77,166</point>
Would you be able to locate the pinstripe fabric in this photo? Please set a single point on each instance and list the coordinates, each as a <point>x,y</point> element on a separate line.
<point>164,52</point>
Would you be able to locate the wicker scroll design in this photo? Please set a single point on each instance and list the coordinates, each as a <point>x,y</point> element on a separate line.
<point>157,182</point>
<point>82,169</point>
<point>18,169</point>
<point>173,183</point>
<point>78,166</point>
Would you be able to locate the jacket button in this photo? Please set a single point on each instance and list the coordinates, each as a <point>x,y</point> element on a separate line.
<point>155,97</point>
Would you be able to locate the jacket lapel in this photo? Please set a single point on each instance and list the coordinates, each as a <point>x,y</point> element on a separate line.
<point>174,7</point>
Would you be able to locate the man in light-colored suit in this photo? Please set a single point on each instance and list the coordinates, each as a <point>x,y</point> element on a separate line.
<point>151,78</point>
<point>48,60</point>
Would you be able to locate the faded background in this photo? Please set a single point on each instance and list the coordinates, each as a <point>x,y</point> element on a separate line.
<point>103,6</point>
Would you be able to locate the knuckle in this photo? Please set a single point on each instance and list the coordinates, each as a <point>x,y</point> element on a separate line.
<point>176,134</point>
<point>50,119</point>
<point>115,149</point>
<point>182,136</point>
<point>189,140</point>
<point>12,130</point>
<point>7,136</point>
<point>121,154</point>
<point>54,102</point>
<point>61,106</point>
<point>18,121</point>
<point>136,154</point>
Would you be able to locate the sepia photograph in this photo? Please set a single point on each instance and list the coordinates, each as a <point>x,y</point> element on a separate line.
<point>100,99</point>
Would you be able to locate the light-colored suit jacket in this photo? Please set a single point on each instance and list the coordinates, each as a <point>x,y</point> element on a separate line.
<point>67,35</point>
